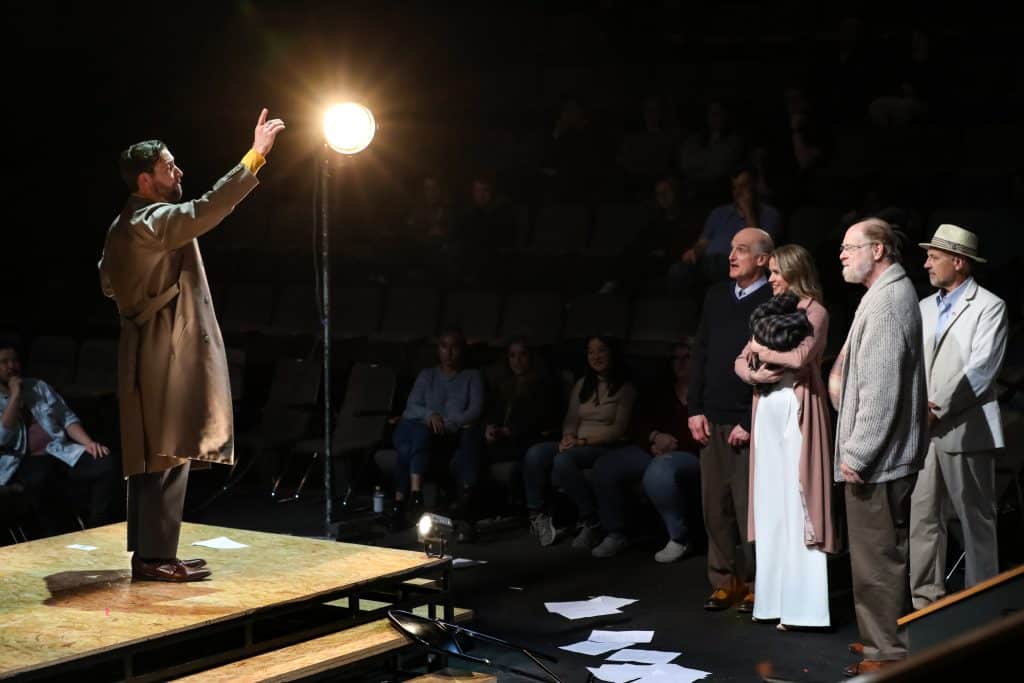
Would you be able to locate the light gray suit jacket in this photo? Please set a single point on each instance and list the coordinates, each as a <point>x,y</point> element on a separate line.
<point>962,366</point>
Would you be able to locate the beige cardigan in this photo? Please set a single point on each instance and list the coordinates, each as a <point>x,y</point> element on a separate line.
<point>603,419</point>
<point>815,427</point>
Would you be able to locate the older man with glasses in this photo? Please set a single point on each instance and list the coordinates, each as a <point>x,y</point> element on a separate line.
<point>881,436</point>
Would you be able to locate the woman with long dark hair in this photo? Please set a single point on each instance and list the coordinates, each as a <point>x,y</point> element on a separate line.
<point>600,408</point>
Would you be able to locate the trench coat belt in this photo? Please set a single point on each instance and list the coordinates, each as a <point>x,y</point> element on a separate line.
<point>130,400</point>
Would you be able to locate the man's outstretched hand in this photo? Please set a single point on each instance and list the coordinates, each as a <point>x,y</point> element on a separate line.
<point>265,133</point>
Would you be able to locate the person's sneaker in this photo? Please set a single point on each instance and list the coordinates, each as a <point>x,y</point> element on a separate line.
<point>589,535</point>
<point>613,544</point>
<point>543,527</point>
<point>672,551</point>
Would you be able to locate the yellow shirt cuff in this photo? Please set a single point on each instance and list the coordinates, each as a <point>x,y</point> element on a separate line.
<point>253,161</point>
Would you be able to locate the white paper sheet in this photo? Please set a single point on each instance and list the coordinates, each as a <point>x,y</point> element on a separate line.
<point>594,607</point>
<point>620,673</point>
<point>580,610</point>
<point>621,636</point>
<point>221,543</point>
<point>617,603</point>
<point>589,647</point>
<point>79,546</point>
<point>644,656</point>
<point>672,673</point>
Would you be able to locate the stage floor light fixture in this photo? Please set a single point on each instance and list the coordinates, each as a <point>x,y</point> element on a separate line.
<point>435,532</point>
<point>349,128</point>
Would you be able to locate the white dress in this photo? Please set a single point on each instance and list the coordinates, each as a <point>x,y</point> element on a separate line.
<point>792,580</point>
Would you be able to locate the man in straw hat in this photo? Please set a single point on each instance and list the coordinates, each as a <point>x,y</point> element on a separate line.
<point>965,329</point>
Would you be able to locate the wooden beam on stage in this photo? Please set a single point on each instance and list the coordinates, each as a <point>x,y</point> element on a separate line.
<point>63,610</point>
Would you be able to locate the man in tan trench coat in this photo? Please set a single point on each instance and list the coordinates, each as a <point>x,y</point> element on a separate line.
<point>173,388</point>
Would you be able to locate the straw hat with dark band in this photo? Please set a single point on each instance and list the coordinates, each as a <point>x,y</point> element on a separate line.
<point>955,240</point>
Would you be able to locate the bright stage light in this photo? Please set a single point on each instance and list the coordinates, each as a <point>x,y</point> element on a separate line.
<point>349,127</point>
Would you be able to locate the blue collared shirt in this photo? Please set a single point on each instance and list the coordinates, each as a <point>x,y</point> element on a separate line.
<point>946,302</point>
<point>52,414</point>
<point>749,289</point>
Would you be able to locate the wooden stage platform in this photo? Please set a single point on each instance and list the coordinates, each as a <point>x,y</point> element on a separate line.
<point>67,612</point>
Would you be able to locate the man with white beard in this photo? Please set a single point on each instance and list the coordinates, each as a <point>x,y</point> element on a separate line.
<point>881,436</point>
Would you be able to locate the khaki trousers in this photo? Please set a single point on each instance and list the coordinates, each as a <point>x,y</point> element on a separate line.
<point>724,475</point>
<point>964,483</point>
<point>878,517</point>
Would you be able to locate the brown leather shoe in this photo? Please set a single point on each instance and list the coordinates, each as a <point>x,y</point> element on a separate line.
<point>867,666</point>
<point>197,563</point>
<point>718,600</point>
<point>746,604</point>
<point>173,571</point>
<point>857,648</point>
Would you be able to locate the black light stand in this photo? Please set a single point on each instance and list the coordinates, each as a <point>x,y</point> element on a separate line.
<point>325,313</point>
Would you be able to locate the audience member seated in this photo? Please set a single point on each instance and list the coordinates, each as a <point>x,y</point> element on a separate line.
<point>35,423</point>
<point>914,82</point>
<point>672,477</point>
<point>745,211</point>
<point>647,153</point>
<point>429,230</point>
<point>571,158</point>
<point>484,228</point>
<point>441,417</point>
<point>654,256</point>
<point>523,406</point>
<point>707,157</point>
<point>790,150</point>
<point>600,407</point>
<point>846,72</point>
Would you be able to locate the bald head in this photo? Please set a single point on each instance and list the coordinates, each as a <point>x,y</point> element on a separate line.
<point>751,248</point>
<point>869,247</point>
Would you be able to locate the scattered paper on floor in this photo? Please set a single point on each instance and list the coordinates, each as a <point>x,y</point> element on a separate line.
<point>589,647</point>
<point>621,636</point>
<point>221,543</point>
<point>644,656</point>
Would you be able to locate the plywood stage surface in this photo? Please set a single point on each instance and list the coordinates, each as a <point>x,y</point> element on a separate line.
<point>59,604</point>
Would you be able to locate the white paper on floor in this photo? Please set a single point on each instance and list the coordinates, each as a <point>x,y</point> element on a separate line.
<point>221,543</point>
<point>646,673</point>
<point>621,636</point>
<point>644,656</point>
<point>589,647</point>
<point>620,673</point>
<point>595,607</point>
<point>79,546</point>
<point>672,673</point>
<point>617,603</point>
<point>466,562</point>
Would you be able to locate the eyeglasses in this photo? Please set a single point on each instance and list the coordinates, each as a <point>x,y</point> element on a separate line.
<point>843,248</point>
<point>443,638</point>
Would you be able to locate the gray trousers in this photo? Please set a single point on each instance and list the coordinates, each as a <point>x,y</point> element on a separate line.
<point>878,518</point>
<point>724,474</point>
<point>155,504</point>
<point>964,483</point>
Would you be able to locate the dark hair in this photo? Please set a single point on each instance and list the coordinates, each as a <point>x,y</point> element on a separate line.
<point>618,372</point>
<point>10,343</point>
<point>742,167</point>
<point>139,158</point>
<point>453,331</point>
